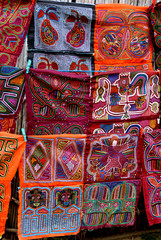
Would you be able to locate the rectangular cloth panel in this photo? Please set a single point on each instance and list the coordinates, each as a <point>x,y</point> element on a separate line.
<point>15,19</point>
<point>151,176</point>
<point>63,62</point>
<point>122,36</point>
<point>12,81</point>
<point>125,96</point>
<point>110,204</point>
<point>134,128</point>
<point>43,128</point>
<point>155,16</point>
<point>57,96</point>
<point>53,159</point>
<point>152,152</point>
<point>152,198</point>
<point>113,157</point>
<point>11,150</point>
<point>5,193</point>
<point>60,27</point>
<point>46,211</point>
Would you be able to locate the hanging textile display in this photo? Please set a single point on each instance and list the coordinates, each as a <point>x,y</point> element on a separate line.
<point>125,96</point>
<point>62,62</point>
<point>58,97</point>
<point>113,157</point>
<point>155,13</point>
<point>12,81</point>
<point>117,203</point>
<point>151,176</point>
<point>122,37</point>
<point>134,128</point>
<point>11,150</point>
<point>51,181</point>
<point>14,22</point>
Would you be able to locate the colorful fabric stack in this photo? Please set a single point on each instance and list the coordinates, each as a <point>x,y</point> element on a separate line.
<point>57,103</point>
<point>51,186</point>
<point>14,22</point>
<point>122,38</point>
<point>151,176</point>
<point>12,81</point>
<point>11,150</point>
<point>62,37</point>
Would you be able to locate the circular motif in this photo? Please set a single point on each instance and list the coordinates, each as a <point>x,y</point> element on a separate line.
<point>110,43</point>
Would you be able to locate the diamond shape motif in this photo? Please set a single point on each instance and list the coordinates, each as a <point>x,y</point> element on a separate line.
<point>69,159</point>
<point>38,159</point>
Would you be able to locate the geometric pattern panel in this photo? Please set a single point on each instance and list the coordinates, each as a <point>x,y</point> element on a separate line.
<point>12,81</point>
<point>125,96</point>
<point>49,211</point>
<point>110,204</point>
<point>111,157</point>
<point>54,158</point>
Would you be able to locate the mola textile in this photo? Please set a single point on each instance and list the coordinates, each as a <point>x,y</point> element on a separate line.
<point>64,62</point>
<point>14,22</point>
<point>113,157</point>
<point>151,176</point>
<point>43,128</point>
<point>122,36</point>
<point>110,204</point>
<point>53,158</point>
<point>12,82</point>
<point>58,97</point>
<point>51,186</point>
<point>155,16</point>
<point>63,27</point>
<point>11,150</point>
<point>125,96</point>
<point>135,127</point>
<point>152,198</point>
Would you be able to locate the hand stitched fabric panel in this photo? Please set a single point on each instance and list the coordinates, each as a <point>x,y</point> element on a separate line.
<point>49,211</point>
<point>110,204</point>
<point>133,128</point>
<point>62,62</point>
<point>14,22</point>
<point>5,193</point>
<point>155,15</point>
<point>151,176</point>
<point>152,198</point>
<point>11,150</point>
<point>125,96</point>
<point>12,82</point>
<point>112,156</point>
<point>56,158</point>
<point>43,128</point>
<point>63,27</point>
<point>122,35</point>
<point>7,125</point>
<point>152,154</point>
<point>57,96</point>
